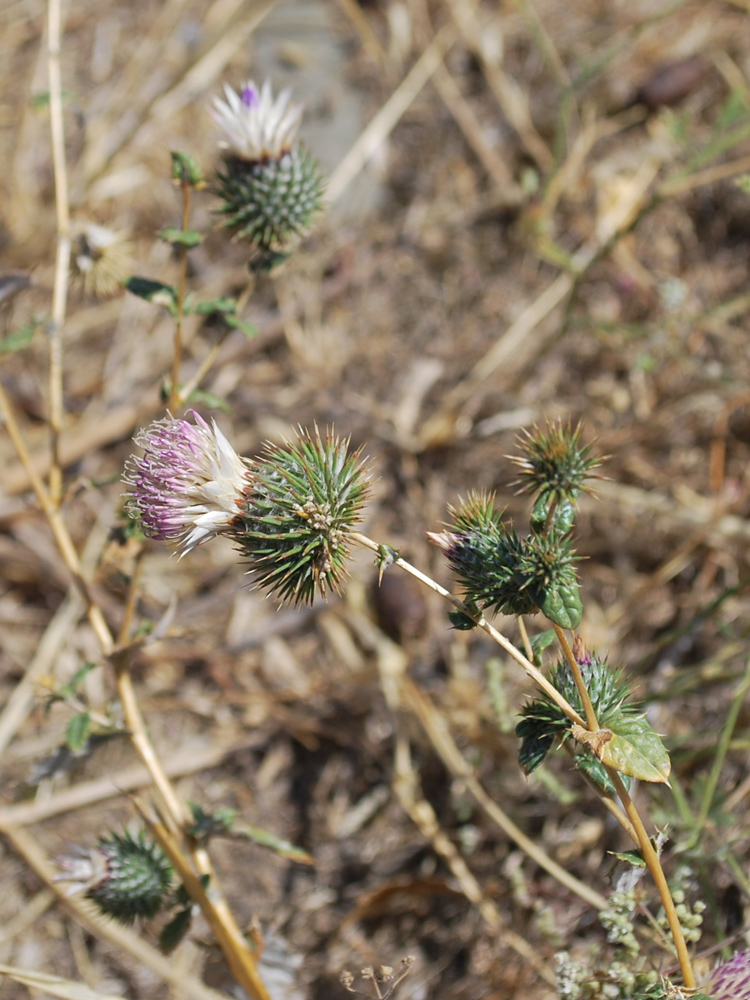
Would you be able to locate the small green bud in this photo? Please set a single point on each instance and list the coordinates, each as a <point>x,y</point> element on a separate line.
<point>126,875</point>
<point>555,464</point>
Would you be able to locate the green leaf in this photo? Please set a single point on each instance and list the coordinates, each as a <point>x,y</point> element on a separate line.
<point>734,110</point>
<point>153,291</point>
<point>536,742</point>
<point>563,517</point>
<point>181,237</point>
<point>561,601</point>
<point>539,643</point>
<point>220,305</point>
<point>209,399</point>
<point>20,338</point>
<point>234,321</point>
<point>206,824</point>
<point>634,858</point>
<point>175,930</point>
<point>460,621</point>
<point>69,689</point>
<point>636,749</point>
<point>78,731</point>
<point>186,170</point>
<point>277,844</point>
<point>595,771</point>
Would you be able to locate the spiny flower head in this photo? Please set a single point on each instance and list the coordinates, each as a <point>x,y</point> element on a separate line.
<point>484,553</point>
<point>125,875</point>
<point>257,126</point>
<point>270,186</point>
<point>555,463</point>
<point>307,497</point>
<point>189,484</point>
<point>731,980</point>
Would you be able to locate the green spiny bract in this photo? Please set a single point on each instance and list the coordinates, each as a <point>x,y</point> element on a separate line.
<point>307,497</point>
<point>555,465</point>
<point>270,201</point>
<point>543,721</point>
<point>502,571</point>
<point>137,877</point>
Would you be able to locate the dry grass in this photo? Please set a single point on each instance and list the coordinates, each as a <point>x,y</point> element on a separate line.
<point>514,235</point>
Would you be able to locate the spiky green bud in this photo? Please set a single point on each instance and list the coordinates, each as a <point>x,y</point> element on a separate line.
<point>500,570</point>
<point>544,721</point>
<point>270,202</point>
<point>555,465</point>
<point>307,497</point>
<point>126,875</point>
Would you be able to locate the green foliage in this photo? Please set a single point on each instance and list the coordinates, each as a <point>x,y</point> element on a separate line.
<point>136,879</point>
<point>173,933</point>
<point>20,338</point>
<point>636,749</point>
<point>153,291</point>
<point>543,722</point>
<point>206,824</point>
<point>307,496</point>
<point>502,571</point>
<point>186,170</point>
<point>78,731</point>
<point>181,237</point>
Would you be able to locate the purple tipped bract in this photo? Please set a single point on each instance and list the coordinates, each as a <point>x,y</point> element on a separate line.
<point>257,126</point>
<point>190,484</point>
<point>731,980</point>
<point>249,95</point>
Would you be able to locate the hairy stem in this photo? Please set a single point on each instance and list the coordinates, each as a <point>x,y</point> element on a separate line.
<point>174,390</point>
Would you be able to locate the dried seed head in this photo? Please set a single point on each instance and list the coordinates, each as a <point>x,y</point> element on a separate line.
<point>102,258</point>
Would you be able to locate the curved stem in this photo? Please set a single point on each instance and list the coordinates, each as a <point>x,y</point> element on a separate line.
<point>500,639</point>
<point>575,669</point>
<point>657,874</point>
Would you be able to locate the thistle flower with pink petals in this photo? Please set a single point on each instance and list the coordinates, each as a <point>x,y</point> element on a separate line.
<point>190,484</point>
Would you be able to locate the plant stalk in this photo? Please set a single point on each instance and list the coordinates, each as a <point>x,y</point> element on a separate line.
<point>657,874</point>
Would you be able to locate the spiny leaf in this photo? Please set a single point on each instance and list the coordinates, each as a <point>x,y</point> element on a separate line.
<point>561,601</point>
<point>637,750</point>
<point>173,933</point>
<point>153,291</point>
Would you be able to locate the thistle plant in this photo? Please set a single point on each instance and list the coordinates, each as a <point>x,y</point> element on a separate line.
<point>293,513</point>
<point>126,875</point>
<point>306,499</point>
<point>270,186</point>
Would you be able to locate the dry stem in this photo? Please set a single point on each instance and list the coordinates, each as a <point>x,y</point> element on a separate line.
<point>62,256</point>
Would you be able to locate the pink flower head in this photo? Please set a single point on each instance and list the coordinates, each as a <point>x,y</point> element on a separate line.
<point>190,484</point>
<point>731,980</point>
<point>256,125</point>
